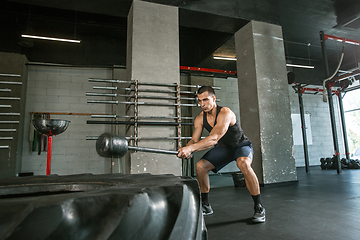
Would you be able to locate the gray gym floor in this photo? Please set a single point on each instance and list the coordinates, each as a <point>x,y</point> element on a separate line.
<point>322,205</point>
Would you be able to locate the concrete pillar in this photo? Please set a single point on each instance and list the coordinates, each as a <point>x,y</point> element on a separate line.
<point>153,56</point>
<point>11,150</point>
<point>264,101</point>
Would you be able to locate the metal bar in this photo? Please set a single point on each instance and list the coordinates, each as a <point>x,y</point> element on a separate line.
<point>343,124</point>
<point>9,75</point>
<point>5,90</point>
<point>8,82</point>
<point>206,70</point>
<point>106,101</point>
<point>6,138</point>
<point>350,89</point>
<point>105,88</point>
<point>7,130</point>
<point>157,97</point>
<point>158,91</point>
<point>342,72</point>
<point>144,138</point>
<point>77,66</point>
<point>103,116</point>
<point>48,159</point>
<point>139,103</point>
<point>345,76</point>
<point>147,84</point>
<point>188,92</point>
<point>189,105</point>
<point>198,86</point>
<point>142,117</point>
<point>315,89</point>
<point>137,138</point>
<point>158,84</point>
<point>149,90</point>
<point>150,104</point>
<point>108,80</point>
<point>153,150</point>
<point>9,122</point>
<point>101,94</point>
<point>153,97</point>
<point>92,137</point>
<point>353,110</point>
<point>153,138</point>
<point>4,147</point>
<point>9,114</point>
<point>189,99</point>
<point>5,106</point>
<point>339,39</point>
<point>334,131</point>
<point>303,128</point>
<point>9,98</point>
<point>136,128</point>
<point>65,113</point>
<point>141,90</point>
<point>324,53</point>
<point>138,122</point>
<point>126,95</point>
<point>133,82</point>
<point>140,96</point>
<point>178,110</point>
<point>331,105</point>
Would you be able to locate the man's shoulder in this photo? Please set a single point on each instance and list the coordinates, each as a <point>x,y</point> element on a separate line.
<point>227,113</point>
<point>225,110</point>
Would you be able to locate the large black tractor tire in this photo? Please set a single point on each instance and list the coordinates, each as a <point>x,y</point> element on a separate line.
<point>110,206</point>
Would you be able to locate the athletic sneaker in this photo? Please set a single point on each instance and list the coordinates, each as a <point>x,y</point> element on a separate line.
<point>207,210</point>
<point>259,215</point>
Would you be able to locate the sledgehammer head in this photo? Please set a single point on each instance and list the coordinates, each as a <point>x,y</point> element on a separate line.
<point>108,145</point>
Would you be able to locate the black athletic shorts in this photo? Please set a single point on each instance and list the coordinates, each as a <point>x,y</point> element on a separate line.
<point>220,157</point>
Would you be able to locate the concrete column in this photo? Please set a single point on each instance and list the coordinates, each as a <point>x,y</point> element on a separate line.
<point>153,56</point>
<point>264,101</point>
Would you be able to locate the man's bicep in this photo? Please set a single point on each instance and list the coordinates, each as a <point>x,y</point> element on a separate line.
<point>222,125</point>
<point>196,136</point>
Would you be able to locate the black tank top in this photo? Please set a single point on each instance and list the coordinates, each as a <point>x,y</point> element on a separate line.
<point>233,137</point>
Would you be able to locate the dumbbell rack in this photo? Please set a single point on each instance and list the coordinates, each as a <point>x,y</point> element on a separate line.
<point>136,103</point>
<point>132,93</point>
<point>7,100</point>
<point>11,90</point>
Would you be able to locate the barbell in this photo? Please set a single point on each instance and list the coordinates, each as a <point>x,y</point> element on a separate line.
<point>108,145</point>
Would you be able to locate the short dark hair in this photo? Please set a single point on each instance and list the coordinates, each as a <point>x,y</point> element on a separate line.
<point>208,89</point>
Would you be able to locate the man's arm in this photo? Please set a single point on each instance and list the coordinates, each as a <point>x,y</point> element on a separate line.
<point>224,119</point>
<point>196,136</point>
<point>198,128</point>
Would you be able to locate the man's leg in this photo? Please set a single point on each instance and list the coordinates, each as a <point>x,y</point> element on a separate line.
<point>202,175</point>
<point>252,184</point>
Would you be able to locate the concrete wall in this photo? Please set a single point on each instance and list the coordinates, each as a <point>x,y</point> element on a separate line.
<point>57,89</point>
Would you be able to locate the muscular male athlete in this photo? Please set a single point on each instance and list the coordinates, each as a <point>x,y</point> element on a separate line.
<point>229,143</point>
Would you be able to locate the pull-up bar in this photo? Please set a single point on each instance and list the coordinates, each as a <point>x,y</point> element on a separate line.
<point>339,39</point>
